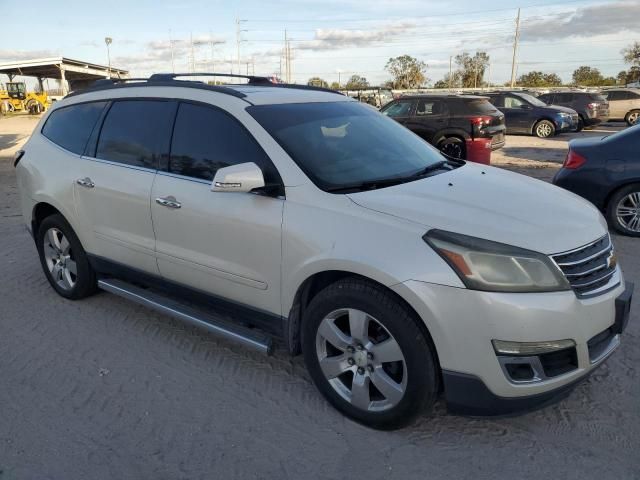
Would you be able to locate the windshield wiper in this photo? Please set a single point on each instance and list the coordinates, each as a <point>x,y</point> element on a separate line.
<point>387,182</point>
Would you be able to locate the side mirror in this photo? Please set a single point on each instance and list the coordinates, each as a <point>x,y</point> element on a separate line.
<point>243,177</point>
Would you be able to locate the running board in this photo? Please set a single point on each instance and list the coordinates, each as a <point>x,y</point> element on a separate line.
<point>209,321</point>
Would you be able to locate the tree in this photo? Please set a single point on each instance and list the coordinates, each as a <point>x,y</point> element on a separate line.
<point>587,76</point>
<point>334,86</point>
<point>407,72</point>
<point>317,82</point>
<point>631,54</point>
<point>539,79</point>
<point>356,81</point>
<point>471,69</point>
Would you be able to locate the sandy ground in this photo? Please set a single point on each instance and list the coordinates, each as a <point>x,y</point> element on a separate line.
<point>104,389</point>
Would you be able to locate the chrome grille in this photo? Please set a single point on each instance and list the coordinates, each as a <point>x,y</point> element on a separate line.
<point>590,269</point>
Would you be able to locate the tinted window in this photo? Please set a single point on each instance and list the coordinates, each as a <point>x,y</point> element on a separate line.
<point>479,106</point>
<point>614,95</point>
<point>136,132</point>
<point>71,126</point>
<point>341,144</point>
<point>430,107</point>
<point>399,109</point>
<point>206,139</point>
<point>497,100</point>
<point>513,102</point>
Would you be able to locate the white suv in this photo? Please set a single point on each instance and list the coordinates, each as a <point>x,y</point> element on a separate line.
<point>260,211</point>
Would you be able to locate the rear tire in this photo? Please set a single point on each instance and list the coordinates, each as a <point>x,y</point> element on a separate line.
<point>453,147</point>
<point>632,117</point>
<point>580,126</point>
<point>623,210</point>
<point>544,129</point>
<point>367,354</point>
<point>63,260</point>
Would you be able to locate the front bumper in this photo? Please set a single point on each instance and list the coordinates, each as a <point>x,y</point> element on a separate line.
<point>566,124</point>
<point>463,322</point>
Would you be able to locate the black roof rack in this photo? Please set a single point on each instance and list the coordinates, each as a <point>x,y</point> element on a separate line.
<point>172,80</point>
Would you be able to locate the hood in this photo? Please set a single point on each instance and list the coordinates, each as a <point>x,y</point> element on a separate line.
<point>558,108</point>
<point>493,204</point>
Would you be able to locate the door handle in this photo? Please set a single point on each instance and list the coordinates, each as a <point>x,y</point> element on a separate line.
<point>85,182</point>
<point>169,202</point>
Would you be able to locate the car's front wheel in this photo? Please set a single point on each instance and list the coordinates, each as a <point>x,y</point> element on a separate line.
<point>63,259</point>
<point>367,354</point>
<point>623,210</point>
<point>544,129</point>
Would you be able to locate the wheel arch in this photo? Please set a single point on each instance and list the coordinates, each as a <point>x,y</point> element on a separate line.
<point>616,188</point>
<point>540,119</point>
<point>315,283</point>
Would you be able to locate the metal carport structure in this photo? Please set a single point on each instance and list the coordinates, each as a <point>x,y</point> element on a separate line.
<point>73,74</point>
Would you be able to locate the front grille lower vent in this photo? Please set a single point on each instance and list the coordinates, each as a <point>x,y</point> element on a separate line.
<point>589,269</point>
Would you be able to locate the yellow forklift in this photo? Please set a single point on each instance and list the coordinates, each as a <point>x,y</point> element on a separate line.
<point>15,98</point>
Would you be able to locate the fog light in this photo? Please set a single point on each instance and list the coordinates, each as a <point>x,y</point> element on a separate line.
<point>530,348</point>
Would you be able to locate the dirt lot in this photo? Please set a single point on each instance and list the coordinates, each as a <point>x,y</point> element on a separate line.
<point>104,389</point>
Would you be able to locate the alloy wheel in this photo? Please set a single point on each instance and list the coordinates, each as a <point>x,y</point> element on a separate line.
<point>628,212</point>
<point>543,130</point>
<point>453,150</point>
<point>59,259</point>
<point>633,117</point>
<point>361,360</point>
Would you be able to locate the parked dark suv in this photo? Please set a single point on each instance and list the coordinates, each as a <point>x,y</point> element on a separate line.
<point>592,108</point>
<point>526,114</point>
<point>461,126</point>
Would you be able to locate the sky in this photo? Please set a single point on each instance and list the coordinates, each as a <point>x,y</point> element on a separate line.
<point>332,39</point>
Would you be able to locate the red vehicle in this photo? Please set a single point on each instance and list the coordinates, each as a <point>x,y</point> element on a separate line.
<point>461,126</point>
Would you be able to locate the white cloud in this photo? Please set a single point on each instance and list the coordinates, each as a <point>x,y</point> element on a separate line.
<point>331,39</point>
<point>585,22</point>
<point>11,55</point>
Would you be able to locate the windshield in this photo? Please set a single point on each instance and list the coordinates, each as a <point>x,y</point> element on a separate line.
<point>338,144</point>
<point>531,99</point>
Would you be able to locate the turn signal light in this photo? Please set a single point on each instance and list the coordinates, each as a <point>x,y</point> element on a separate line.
<point>574,160</point>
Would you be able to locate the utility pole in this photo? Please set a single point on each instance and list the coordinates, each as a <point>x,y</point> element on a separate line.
<point>173,65</point>
<point>192,64</point>
<point>238,39</point>
<point>515,49</point>
<point>107,41</point>
<point>286,58</point>
<point>450,71</point>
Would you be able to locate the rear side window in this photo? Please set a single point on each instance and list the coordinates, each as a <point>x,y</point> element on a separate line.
<point>399,109</point>
<point>428,107</point>
<point>206,139</point>
<point>497,101</point>
<point>136,132</point>
<point>70,127</point>
<point>479,106</point>
<point>597,98</point>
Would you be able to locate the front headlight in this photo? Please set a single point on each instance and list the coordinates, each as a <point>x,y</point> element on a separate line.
<point>496,267</point>
<point>565,115</point>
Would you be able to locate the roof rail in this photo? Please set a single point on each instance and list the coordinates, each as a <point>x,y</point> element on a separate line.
<point>167,77</point>
<point>170,80</point>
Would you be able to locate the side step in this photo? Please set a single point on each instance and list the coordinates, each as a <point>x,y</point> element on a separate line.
<point>209,321</point>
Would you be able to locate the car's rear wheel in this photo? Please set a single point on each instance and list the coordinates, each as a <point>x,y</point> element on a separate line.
<point>544,129</point>
<point>367,354</point>
<point>623,210</point>
<point>63,259</point>
<point>632,117</point>
<point>453,147</point>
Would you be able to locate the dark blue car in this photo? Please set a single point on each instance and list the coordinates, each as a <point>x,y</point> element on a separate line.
<point>606,171</point>
<point>526,114</point>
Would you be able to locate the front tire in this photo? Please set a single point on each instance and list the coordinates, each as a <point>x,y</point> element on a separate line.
<point>63,260</point>
<point>367,355</point>
<point>544,129</point>
<point>623,210</point>
<point>580,126</point>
